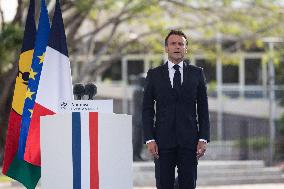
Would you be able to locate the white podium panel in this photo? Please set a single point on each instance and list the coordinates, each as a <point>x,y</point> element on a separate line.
<point>86,150</point>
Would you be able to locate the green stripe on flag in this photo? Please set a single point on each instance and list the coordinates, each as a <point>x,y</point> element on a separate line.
<point>24,172</point>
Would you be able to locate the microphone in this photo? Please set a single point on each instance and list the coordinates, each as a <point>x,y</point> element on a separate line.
<point>91,90</point>
<point>79,91</point>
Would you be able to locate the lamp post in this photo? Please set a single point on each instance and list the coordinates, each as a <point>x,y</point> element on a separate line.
<point>219,87</point>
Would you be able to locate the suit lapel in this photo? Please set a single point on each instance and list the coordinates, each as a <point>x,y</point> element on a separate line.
<point>185,75</point>
<point>165,75</point>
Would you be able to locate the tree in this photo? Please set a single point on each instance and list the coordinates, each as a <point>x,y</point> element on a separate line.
<point>116,27</point>
<point>103,19</point>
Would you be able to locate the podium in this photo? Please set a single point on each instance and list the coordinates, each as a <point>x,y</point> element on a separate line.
<point>86,150</point>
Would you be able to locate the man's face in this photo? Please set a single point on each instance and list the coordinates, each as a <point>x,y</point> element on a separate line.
<point>176,48</point>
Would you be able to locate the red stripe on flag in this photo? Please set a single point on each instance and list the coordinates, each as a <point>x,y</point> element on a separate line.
<point>12,140</point>
<point>32,152</point>
<point>94,155</point>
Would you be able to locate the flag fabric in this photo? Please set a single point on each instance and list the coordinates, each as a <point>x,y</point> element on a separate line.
<point>34,77</point>
<point>86,151</point>
<point>17,169</point>
<point>55,85</point>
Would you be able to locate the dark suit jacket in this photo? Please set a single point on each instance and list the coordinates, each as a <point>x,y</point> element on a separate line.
<point>178,118</point>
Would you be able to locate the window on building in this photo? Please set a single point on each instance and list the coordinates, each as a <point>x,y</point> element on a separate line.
<point>134,68</point>
<point>279,73</point>
<point>230,73</point>
<point>113,72</point>
<point>253,71</point>
<point>209,69</point>
<point>279,80</point>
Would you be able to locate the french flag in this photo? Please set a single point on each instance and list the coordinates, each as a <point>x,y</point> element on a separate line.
<point>55,85</point>
<point>87,150</point>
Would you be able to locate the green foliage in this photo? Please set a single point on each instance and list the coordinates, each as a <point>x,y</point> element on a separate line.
<point>10,40</point>
<point>233,29</point>
<point>157,46</point>
<point>230,59</point>
<point>256,143</point>
<point>277,58</point>
<point>83,5</point>
<point>246,22</point>
<point>212,86</point>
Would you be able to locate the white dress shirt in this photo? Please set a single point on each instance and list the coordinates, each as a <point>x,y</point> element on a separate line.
<point>171,75</point>
<point>172,71</point>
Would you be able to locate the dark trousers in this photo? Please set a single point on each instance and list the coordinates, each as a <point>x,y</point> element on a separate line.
<point>186,162</point>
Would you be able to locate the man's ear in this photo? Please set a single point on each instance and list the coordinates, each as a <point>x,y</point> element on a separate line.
<point>166,49</point>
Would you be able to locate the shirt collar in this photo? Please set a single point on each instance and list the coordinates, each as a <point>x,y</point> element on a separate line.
<point>171,65</point>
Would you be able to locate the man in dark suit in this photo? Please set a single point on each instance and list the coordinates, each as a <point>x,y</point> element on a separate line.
<point>175,116</point>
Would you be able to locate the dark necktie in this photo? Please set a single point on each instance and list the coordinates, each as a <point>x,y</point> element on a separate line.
<point>177,78</point>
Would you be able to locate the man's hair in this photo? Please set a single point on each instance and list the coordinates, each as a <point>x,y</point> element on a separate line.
<point>175,32</point>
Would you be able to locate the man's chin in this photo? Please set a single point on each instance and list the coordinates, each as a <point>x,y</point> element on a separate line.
<point>177,59</point>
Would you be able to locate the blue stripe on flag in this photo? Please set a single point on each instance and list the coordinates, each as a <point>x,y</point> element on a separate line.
<point>76,149</point>
<point>30,29</point>
<point>57,31</point>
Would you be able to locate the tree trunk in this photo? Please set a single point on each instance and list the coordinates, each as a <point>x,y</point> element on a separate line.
<point>5,102</point>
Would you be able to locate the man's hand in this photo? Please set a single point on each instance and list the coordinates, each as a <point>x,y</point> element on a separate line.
<point>201,148</point>
<point>153,149</point>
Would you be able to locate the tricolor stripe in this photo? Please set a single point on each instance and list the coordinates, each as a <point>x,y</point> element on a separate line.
<point>85,150</point>
<point>99,145</point>
<point>76,149</point>
<point>93,133</point>
<point>85,147</point>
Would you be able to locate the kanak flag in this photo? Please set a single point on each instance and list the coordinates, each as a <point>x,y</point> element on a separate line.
<point>87,150</point>
<point>55,85</point>
<point>13,167</point>
<point>34,77</point>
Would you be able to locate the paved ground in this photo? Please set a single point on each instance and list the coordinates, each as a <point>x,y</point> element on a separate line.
<point>250,186</point>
